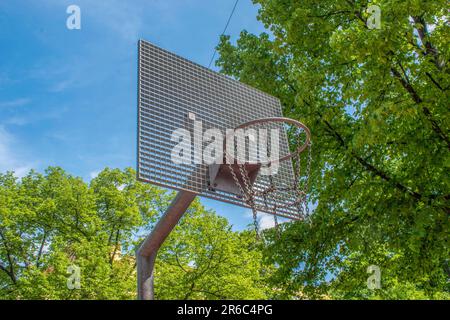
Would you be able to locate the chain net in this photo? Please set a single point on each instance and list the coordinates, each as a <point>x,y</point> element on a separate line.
<point>277,195</point>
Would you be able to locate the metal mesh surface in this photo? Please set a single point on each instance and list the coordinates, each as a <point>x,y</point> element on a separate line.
<point>170,87</point>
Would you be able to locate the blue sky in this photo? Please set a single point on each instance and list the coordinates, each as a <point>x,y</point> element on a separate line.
<point>68,97</point>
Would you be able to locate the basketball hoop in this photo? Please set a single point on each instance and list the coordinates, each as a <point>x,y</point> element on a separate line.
<point>176,95</point>
<point>295,194</point>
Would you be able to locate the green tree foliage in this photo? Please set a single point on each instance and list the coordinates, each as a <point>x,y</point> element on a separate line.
<point>50,222</point>
<point>204,259</point>
<point>377,102</point>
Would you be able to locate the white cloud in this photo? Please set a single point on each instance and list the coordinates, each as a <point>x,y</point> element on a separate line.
<point>122,22</point>
<point>10,160</point>
<point>17,121</point>
<point>34,116</point>
<point>124,18</point>
<point>5,79</point>
<point>265,220</point>
<point>14,103</point>
<point>94,174</point>
<point>61,75</point>
<point>63,85</point>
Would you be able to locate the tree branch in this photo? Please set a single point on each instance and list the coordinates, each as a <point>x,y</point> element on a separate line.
<point>41,248</point>
<point>215,294</point>
<point>430,50</point>
<point>116,244</point>
<point>179,263</point>
<point>3,268</point>
<point>418,100</point>
<point>188,294</point>
<point>369,167</point>
<point>10,272</point>
<point>435,82</point>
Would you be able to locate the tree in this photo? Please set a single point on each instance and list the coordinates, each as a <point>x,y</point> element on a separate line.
<point>205,259</point>
<point>376,101</point>
<point>53,225</point>
<point>53,221</point>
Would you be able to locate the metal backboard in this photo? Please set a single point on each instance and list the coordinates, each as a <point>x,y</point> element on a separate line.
<point>174,90</point>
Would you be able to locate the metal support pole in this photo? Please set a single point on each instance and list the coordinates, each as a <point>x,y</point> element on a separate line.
<point>146,254</point>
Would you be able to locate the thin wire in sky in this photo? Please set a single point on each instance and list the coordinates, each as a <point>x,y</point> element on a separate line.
<point>224,30</point>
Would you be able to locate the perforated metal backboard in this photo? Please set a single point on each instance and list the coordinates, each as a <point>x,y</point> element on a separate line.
<point>174,91</point>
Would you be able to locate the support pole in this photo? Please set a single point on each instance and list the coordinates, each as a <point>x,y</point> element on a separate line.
<point>146,254</point>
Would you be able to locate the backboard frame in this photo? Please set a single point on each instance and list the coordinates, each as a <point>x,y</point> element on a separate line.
<point>271,103</point>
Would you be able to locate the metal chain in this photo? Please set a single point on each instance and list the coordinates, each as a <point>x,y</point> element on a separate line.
<point>275,218</point>
<point>308,174</point>
<point>277,230</point>
<point>247,183</point>
<point>255,223</point>
<point>236,180</point>
<point>249,193</point>
<point>251,198</point>
<point>297,187</point>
